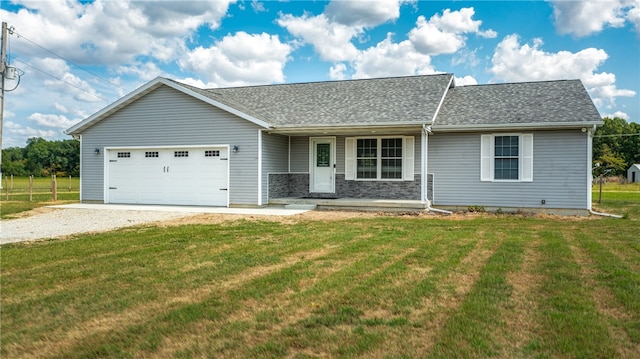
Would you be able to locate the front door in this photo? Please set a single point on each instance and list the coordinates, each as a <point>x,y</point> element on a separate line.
<point>322,163</point>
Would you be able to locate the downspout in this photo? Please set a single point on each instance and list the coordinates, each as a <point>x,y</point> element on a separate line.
<point>426,130</point>
<point>589,177</point>
<point>260,168</point>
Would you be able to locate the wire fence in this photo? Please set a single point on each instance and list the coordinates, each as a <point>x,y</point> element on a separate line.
<point>39,188</point>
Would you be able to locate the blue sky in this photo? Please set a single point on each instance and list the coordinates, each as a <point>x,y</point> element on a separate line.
<point>77,57</point>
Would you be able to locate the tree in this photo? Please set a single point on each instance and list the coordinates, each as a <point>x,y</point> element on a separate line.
<point>13,162</point>
<point>43,158</point>
<point>616,145</point>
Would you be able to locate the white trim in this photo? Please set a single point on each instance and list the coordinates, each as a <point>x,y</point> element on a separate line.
<point>589,169</point>
<point>313,140</point>
<point>80,169</point>
<point>424,148</point>
<point>162,147</point>
<point>259,167</point>
<point>289,155</point>
<point>444,95</point>
<point>105,155</point>
<point>148,87</point>
<point>405,159</point>
<point>514,126</point>
<point>525,157</point>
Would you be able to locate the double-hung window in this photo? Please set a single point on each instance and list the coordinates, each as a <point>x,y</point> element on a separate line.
<point>379,158</point>
<point>506,157</point>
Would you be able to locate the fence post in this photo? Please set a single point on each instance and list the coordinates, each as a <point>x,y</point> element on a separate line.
<point>54,188</point>
<point>6,187</point>
<point>69,183</point>
<point>31,188</point>
<point>11,183</point>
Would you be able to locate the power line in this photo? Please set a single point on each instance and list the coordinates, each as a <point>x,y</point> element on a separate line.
<point>620,135</point>
<point>62,80</point>
<point>69,61</point>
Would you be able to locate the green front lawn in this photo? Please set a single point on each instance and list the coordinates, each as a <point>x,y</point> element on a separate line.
<point>385,286</point>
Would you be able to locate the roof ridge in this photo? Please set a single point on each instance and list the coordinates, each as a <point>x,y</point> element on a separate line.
<point>519,83</point>
<point>328,81</point>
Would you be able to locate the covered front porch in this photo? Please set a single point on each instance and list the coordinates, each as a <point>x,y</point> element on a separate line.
<point>361,204</point>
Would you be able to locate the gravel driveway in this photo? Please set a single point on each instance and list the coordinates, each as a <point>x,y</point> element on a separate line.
<point>64,222</point>
<point>83,218</point>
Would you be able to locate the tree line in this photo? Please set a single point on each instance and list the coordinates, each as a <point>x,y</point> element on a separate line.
<point>42,158</point>
<point>616,146</point>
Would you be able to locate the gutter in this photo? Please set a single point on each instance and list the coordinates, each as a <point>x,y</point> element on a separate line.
<point>520,126</point>
<point>426,130</point>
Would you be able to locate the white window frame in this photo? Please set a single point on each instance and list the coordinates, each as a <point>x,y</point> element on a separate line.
<point>408,147</point>
<point>525,157</point>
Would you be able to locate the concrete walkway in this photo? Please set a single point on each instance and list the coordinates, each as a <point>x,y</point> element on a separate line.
<point>264,211</point>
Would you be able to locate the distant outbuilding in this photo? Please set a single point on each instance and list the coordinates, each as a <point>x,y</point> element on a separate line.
<point>633,173</point>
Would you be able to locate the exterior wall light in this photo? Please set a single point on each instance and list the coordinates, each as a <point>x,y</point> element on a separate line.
<point>236,148</point>
<point>96,151</point>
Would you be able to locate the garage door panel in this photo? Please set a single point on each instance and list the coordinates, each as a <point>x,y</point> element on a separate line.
<point>187,176</point>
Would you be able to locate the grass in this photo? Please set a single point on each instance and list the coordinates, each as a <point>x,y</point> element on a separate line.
<point>18,190</point>
<point>388,286</point>
<point>619,199</point>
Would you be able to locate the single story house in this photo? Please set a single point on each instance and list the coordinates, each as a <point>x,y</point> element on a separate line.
<point>633,173</point>
<point>420,140</point>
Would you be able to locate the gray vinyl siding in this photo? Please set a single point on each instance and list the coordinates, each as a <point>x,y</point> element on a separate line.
<point>559,170</point>
<point>300,153</point>
<point>275,159</point>
<point>166,117</point>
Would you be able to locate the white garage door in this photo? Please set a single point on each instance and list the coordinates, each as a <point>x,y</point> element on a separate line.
<point>180,176</point>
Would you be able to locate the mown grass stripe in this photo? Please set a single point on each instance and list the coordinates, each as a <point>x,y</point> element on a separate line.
<point>470,331</point>
<point>615,275</point>
<point>569,323</point>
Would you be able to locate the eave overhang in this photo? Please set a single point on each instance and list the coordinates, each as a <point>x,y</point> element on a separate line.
<point>516,126</point>
<point>347,129</point>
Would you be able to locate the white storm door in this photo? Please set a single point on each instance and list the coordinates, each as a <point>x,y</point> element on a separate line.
<point>322,163</point>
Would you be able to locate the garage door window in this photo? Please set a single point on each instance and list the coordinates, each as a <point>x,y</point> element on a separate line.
<point>124,154</point>
<point>180,153</point>
<point>212,153</point>
<point>151,154</point>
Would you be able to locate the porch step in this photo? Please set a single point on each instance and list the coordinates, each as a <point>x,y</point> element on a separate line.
<point>309,207</point>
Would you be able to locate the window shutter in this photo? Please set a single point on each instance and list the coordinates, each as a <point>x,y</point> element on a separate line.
<point>408,157</point>
<point>526,165</point>
<point>349,158</point>
<point>486,158</point>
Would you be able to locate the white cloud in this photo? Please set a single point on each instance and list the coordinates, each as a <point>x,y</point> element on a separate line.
<point>513,62</point>
<point>144,71</point>
<point>13,128</point>
<point>338,71</point>
<point>618,114</point>
<point>257,6</point>
<point>465,81</point>
<point>363,13</point>
<point>583,18</point>
<point>391,59</point>
<point>332,34</point>
<point>111,32</point>
<point>331,40</point>
<point>51,120</point>
<point>240,59</point>
<point>446,34</point>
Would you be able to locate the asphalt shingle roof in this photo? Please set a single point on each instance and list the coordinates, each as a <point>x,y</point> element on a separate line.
<point>395,100</point>
<point>540,103</point>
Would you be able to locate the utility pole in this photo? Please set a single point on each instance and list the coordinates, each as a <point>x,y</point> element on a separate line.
<point>3,69</point>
